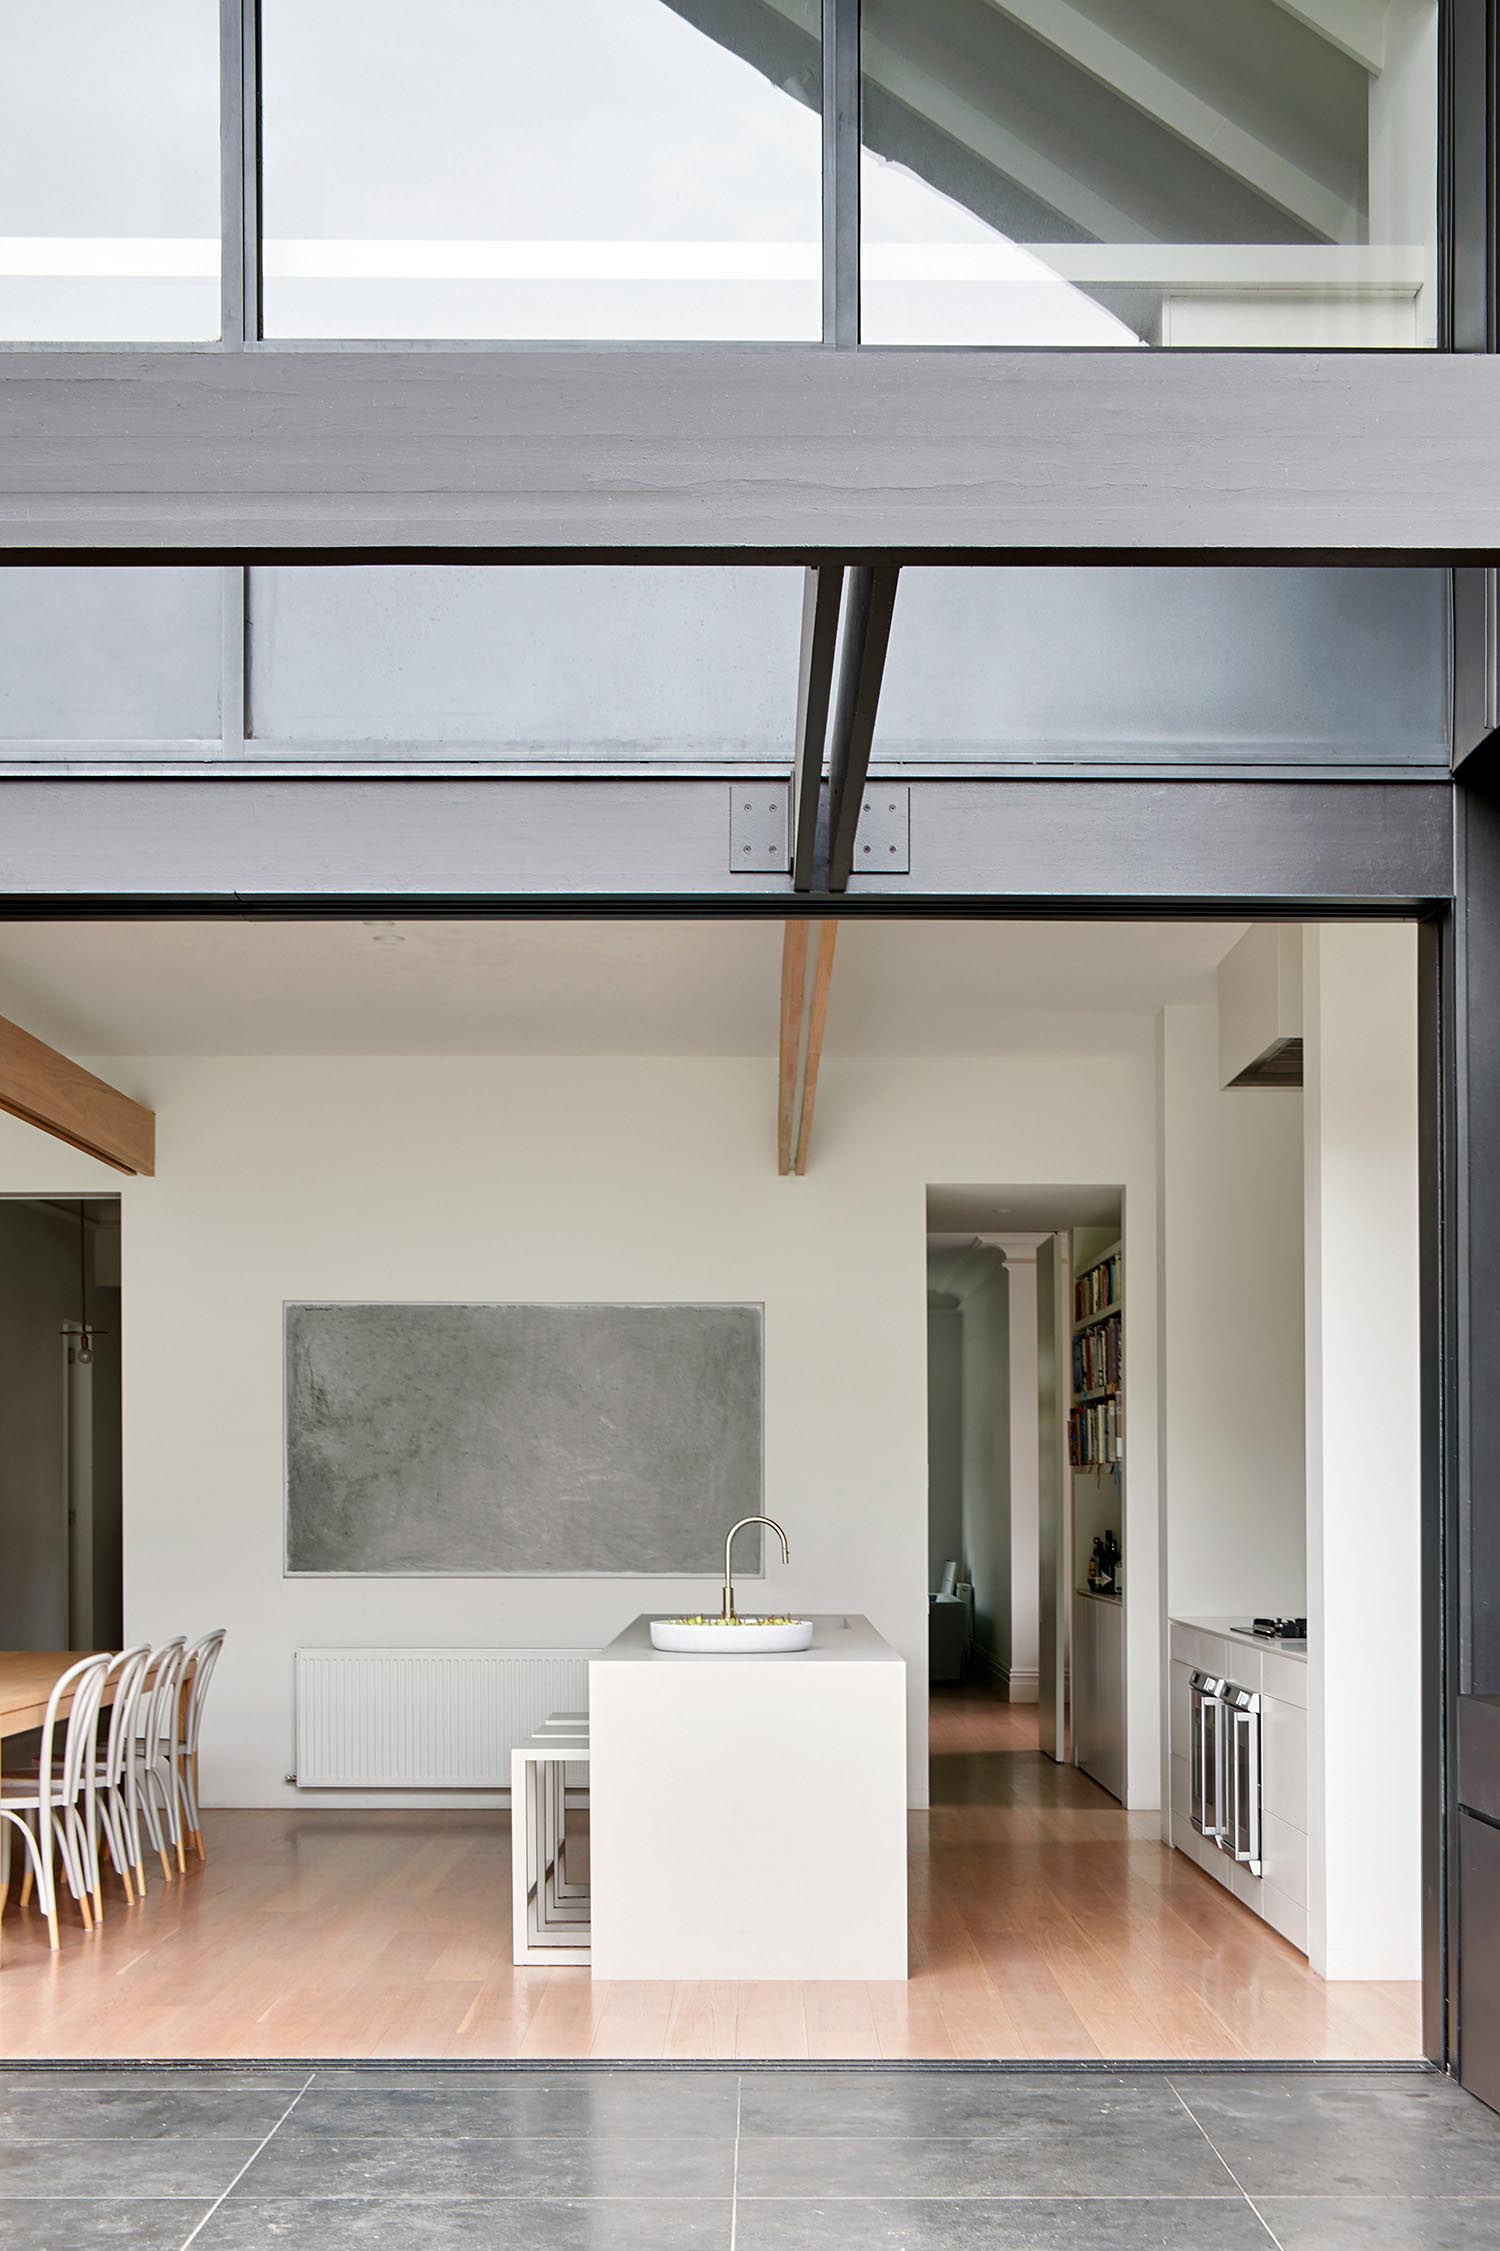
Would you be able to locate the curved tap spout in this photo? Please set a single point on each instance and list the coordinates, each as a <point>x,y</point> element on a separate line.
<point>786,1556</point>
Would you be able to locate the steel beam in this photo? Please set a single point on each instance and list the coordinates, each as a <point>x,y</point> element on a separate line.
<point>447,846</point>
<point>760,454</point>
<point>869,605</point>
<point>822,587</point>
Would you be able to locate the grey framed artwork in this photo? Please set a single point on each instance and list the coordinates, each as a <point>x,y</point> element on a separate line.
<point>470,1441</point>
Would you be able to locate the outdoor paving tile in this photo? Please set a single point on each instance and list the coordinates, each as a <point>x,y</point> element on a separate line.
<point>953,2105</point>
<point>368,2224</point>
<point>125,2170</point>
<point>72,2226</point>
<point>1024,2224</point>
<point>1382,2223</point>
<point>96,2112</point>
<point>1169,2159</point>
<point>287,2077</point>
<point>1355,2134</point>
<point>662,2108</point>
<point>562,2167</point>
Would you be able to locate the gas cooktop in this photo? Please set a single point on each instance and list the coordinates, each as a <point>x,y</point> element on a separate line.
<point>1275,1629</point>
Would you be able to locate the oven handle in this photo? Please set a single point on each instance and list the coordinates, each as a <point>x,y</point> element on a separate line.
<point>1211,1799</point>
<point>1247,1717</point>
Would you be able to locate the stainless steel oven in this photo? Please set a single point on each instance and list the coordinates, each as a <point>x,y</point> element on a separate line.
<point>1225,1781</point>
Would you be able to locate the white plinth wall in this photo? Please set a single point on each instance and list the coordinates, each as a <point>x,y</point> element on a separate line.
<point>747,1815</point>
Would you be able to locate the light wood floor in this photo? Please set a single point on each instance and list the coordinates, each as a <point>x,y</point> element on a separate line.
<point>1046,1922</point>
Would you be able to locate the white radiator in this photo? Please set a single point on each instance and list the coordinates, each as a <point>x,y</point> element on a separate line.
<point>426,1719</point>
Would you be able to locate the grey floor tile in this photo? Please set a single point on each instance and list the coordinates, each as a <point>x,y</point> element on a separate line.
<point>71,2226</point>
<point>565,2168</point>
<point>359,2224</point>
<point>101,2112</point>
<point>954,2105</point>
<point>1170,2159</point>
<point>1382,2223</point>
<point>1028,2224</point>
<point>1354,2134</point>
<point>124,2170</point>
<point>152,2079</point>
<point>628,2105</point>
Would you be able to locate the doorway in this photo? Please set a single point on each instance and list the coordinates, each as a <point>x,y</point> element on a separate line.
<point>60,1410</point>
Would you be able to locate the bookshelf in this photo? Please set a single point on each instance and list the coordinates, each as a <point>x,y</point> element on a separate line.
<point>1096,1458</point>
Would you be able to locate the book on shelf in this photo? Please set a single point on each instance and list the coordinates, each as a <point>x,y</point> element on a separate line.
<point>1098,1288</point>
<point>1095,1435</point>
<point>1097,1356</point>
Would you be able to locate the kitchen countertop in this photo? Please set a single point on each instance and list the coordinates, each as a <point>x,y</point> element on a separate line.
<point>837,1638</point>
<point>1228,1631</point>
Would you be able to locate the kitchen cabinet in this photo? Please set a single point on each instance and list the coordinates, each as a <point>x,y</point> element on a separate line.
<point>1099,1689</point>
<point>1279,1894</point>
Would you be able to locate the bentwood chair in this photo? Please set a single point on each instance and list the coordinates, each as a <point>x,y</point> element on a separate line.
<point>202,1658</point>
<point>115,1774</point>
<point>45,1807</point>
<point>154,1788</point>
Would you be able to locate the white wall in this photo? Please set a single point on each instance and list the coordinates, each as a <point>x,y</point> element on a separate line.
<point>1363,1450</point>
<point>945,1457</point>
<point>1233,1467</point>
<point>984,1331</point>
<point>513,1178</point>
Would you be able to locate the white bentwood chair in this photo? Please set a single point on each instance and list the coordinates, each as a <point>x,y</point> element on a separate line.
<point>202,1658</point>
<point>155,1788</point>
<point>45,1806</point>
<point>116,1795</point>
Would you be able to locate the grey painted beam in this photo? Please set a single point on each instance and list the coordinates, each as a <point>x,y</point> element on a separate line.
<point>821,591</point>
<point>869,603</point>
<point>755,453</point>
<point>600,846</point>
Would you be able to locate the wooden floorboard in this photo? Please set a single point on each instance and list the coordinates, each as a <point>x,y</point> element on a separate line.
<point>1046,1923</point>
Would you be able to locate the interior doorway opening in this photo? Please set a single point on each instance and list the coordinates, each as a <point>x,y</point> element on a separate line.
<point>60,1412</point>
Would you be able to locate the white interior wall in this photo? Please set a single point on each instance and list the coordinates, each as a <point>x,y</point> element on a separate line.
<point>984,1331</point>
<point>1025,1466</point>
<point>945,1480</point>
<point>1233,1467</point>
<point>1363,1449</point>
<point>381,1178</point>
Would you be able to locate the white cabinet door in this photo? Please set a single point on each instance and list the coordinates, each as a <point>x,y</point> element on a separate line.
<point>1099,1690</point>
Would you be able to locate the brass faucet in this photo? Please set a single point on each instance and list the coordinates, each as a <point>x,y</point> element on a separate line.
<point>728,1613</point>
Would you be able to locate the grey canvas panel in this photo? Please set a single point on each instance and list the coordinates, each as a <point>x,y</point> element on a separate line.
<point>546,1439</point>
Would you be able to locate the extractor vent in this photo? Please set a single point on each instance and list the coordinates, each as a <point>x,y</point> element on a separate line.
<point>1281,1065</point>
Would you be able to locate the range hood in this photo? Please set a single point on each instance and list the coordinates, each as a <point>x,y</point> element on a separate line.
<point>1260,1008</point>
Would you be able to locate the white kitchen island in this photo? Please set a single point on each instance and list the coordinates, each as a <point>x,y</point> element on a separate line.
<point>747,1814</point>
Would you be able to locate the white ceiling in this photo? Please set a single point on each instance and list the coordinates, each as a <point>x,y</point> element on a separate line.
<point>592,988</point>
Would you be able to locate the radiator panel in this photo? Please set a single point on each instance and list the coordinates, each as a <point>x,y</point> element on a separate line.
<point>426,1719</point>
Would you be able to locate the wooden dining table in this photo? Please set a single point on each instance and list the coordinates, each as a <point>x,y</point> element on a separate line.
<point>27,1679</point>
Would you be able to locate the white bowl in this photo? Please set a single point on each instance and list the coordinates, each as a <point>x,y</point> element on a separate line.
<point>750,1638</point>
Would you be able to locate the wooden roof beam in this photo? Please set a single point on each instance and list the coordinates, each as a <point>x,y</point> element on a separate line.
<point>57,1095</point>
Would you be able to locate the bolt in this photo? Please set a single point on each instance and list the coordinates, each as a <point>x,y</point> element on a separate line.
<point>867,851</point>
<point>892,848</point>
<point>747,851</point>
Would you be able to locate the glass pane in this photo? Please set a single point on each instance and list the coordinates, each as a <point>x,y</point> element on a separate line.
<point>1118,172</point>
<point>102,659</point>
<point>1161,666</point>
<point>616,169</point>
<point>538,664</point>
<point>109,171</point>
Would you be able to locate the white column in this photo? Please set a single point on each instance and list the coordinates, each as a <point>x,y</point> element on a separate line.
<point>1025,1468</point>
<point>1363,1450</point>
